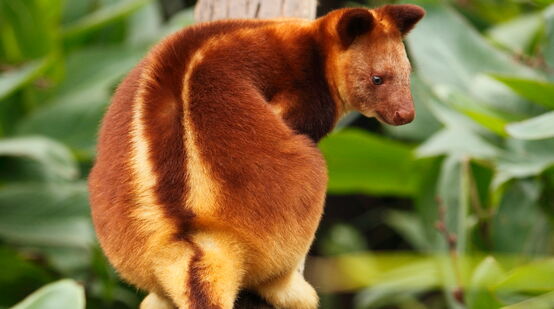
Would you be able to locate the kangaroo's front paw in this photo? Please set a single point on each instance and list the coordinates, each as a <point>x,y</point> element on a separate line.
<point>290,292</point>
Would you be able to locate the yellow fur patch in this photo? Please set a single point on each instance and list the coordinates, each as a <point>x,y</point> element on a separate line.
<point>222,265</point>
<point>171,267</point>
<point>202,197</point>
<point>148,211</point>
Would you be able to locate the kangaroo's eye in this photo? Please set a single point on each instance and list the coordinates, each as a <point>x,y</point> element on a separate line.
<point>377,80</point>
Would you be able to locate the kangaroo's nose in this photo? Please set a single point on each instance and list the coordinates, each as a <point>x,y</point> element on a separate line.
<point>403,116</point>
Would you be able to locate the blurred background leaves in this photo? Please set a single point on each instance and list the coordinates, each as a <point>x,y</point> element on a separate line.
<point>454,210</point>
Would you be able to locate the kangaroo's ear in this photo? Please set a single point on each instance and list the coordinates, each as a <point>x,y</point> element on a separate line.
<point>353,23</point>
<point>404,16</point>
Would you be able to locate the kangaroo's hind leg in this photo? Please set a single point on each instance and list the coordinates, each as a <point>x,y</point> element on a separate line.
<point>154,301</point>
<point>290,291</point>
<point>207,275</point>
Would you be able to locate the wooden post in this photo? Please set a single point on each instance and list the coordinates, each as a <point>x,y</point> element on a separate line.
<point>209,10</point>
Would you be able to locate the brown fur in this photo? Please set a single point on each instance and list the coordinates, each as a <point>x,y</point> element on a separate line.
<point>208,180</point>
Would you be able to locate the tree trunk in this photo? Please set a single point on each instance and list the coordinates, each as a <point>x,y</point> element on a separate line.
<point>209,10</point>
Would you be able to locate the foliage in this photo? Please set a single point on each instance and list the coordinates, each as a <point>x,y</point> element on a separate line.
<point>491,94</point>
<point>59,64</point>
<point>477,159</point>
<point>61,294</point>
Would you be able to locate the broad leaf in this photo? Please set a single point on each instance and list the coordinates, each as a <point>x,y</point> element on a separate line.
<point>489,118</point>
<point>458,142</point>
<point>534,277</point>
<point>409,226</point>
<point>453,191</point>
<point>519,210</point>
<point>46,215</point>
<point>75,109</point>
<point>518,34</point>
<point>536,91</point>
<point>539,127</point>
<point>341,239</point>
<point>178,21</point>
<point>66,294</point>
<point>524,158</point>
<point>22,277</point>
<point>549,41</point>
<point>145,25</point>
<point>544,301</point>
<point>29,29</point>
<point>13,80</point>
<point>56,161</point>
<point>363,162</point>
<point>447,50</point>
<point>485,275</point>
<point>103,16</point>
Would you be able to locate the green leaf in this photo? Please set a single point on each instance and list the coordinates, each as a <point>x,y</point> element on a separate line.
<point>495,95</point>
<point>362,162</point>
<point>54,158</point>
<point>94,71</point>
<point>46,215</point>
<point>395,272</point>
<point>443,39</point>
<point>21,278</point>
<point>28,29</point>
<point>145,25</point>
<point>485,275</point>
<point>536,91</point>
<point>341,239</point>
<point>444,112</point>
<point>549,36</point>
<point>73,113</point>
<point>103,16</point>
<point>69,261</point>
<point>539,127</point>
<point>76,126</point>
<point>453,191</point>
<point>488,118</point>
<point>544,301</point>
<point>178,21</point>
<point>524,158</point>
<point>518,34</point>
<point>534,277</point>
<point>11,81</point>
<point>426,204</point>
<point>447,50</point>
<point>458,142</point>
<point>66,294</point>
<point>75,10</point>
<point>519,210</point>
<point>409,226</point>
<point>383,296</point>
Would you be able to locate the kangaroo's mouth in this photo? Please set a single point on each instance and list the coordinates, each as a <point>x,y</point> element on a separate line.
<point>396,117</point>
<point>390,115</point>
